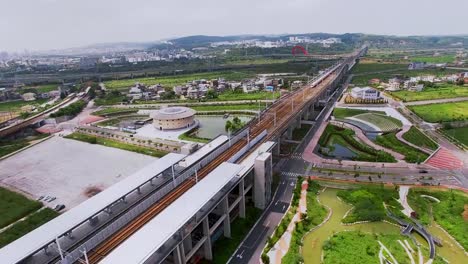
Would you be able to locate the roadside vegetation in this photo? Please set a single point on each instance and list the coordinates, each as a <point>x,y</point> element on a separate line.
<point>43,88</point>
<point>25,226</point>
<point>314,216</point>
<point>439,92</point>
<point>446,112</point>
<point>70,110</point>
<point>299,133</point>
<point>411,154</point>
<point>227,107</point>
<point>116,144</point>
<point>114,111</point>
<point>10,146</point>
<point>224,247</point>
<point>15,106</point>
<point>451,213</point>
<point>368,202</point>
<point>192,136</point>
<point>345,137</point>
<point>234,96</point>
<point>418,138</point>
<point>434,59</point>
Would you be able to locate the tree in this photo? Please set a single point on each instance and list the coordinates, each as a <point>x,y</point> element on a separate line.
<point>211,94</point>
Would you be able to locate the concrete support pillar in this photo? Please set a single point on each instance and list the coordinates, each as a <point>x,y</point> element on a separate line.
<point>179,255</point>
<point>242,200</point>
<point>277,148</point>
<point>207,245</point>
<point>263,171</point>
<point>289,132</point>
<point>227,219</point>
<point>188,243</point>
<point>299,121</point>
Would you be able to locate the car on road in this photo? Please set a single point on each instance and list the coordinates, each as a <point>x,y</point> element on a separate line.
<point>422,171</point>
<point>59,207</point>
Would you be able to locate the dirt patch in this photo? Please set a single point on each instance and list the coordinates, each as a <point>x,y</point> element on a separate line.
<point>91,191</point>
<point>465,212</point>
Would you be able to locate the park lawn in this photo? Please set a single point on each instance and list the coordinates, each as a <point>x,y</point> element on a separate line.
<point>342,113</point>
<point>170,81</point>
<point>446,112</point>
<point>21,228</point>
<point>228,107</point>
<point>254,61</point>
<point>116,144</point>
<point>344,248</point>
<point>460,134</point>
<point>443,92</point>
<point>436,59</point>
<point>403,73</point>
<point>419,139</point>
<point>224,247</point>
<point>14,206</point>
<point>390,141</point>
<point>15,106</point>
<point>261,95</point>
<point>451,213</point>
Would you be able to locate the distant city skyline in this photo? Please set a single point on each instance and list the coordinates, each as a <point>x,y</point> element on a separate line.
<point>53,24</point>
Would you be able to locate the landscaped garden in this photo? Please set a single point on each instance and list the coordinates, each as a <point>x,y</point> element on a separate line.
<point>446,112</point>
<point>116,144</point>
<point>411,154</point>
<point>413,135</point>
<point>439,92</point>
<point>383,122</point>
<point>340,143</point>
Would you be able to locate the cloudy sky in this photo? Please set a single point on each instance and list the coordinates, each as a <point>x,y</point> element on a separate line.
<point>51,24</point>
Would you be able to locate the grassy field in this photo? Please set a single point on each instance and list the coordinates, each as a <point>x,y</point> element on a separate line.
<point>110,111</point>
<point>14,206</point>
<point>21,228</point>
<point>375,67</point>
<point>15,106</point>
<point>451,213</point>
<point>342,113</point>
<point>228,107</point>
<point>10,146</point>
<point>442,92</point>
<point>436,113</point>
<point>390,141</point>
<point>432,59</point>
<point>460,134</point>
<point>116,144</point>
<point>224,247</point>
<point>170,81</point>
<point>419,139</point>
<point>44,88</point>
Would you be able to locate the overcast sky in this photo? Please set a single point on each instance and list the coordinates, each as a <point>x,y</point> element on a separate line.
<point>51,24</point>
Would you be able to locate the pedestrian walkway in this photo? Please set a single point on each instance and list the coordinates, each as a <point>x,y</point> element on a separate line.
<point>444,159</point>
<point>282,246</point>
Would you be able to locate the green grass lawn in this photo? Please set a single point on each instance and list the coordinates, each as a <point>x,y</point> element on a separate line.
<point>10,146</point>
<point>170,81</point>
<point>224,247</point>
<point>432,59</point>
<point>344,247</point>
<point>116,144</point>
<point>436,113</point>
<point>342,113</point>
<point>44,88</point>
<point>14,206</point>
<point>111,110</point>
<point>382,121</point>
<point>419,139</point>
<point>448,213</point>
<point>411,154</point>
<point>375,67</point>
<point>228,107</point>
<point>442,92</point>
<point>460,134</point>
<point>21,228</point>
<point>15,106</point>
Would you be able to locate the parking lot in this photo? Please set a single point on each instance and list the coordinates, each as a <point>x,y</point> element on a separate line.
<point>69,170</point>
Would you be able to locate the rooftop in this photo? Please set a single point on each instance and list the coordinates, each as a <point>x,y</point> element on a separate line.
<point>145,242</point>
<point>175,112</point>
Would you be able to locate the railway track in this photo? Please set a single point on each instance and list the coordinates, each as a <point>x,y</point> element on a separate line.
<point>283,111</point>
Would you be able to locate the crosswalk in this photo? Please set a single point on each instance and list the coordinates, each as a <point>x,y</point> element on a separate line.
<point>291,174</point>
<point>297,156</point>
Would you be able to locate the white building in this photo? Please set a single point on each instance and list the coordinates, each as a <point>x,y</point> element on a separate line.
<point>29,97</point>
<point>365,93</point>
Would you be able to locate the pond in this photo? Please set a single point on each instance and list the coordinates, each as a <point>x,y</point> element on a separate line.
<point>213,125</point>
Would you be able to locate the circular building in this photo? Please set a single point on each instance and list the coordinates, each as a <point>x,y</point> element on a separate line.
<point>173,118</point>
